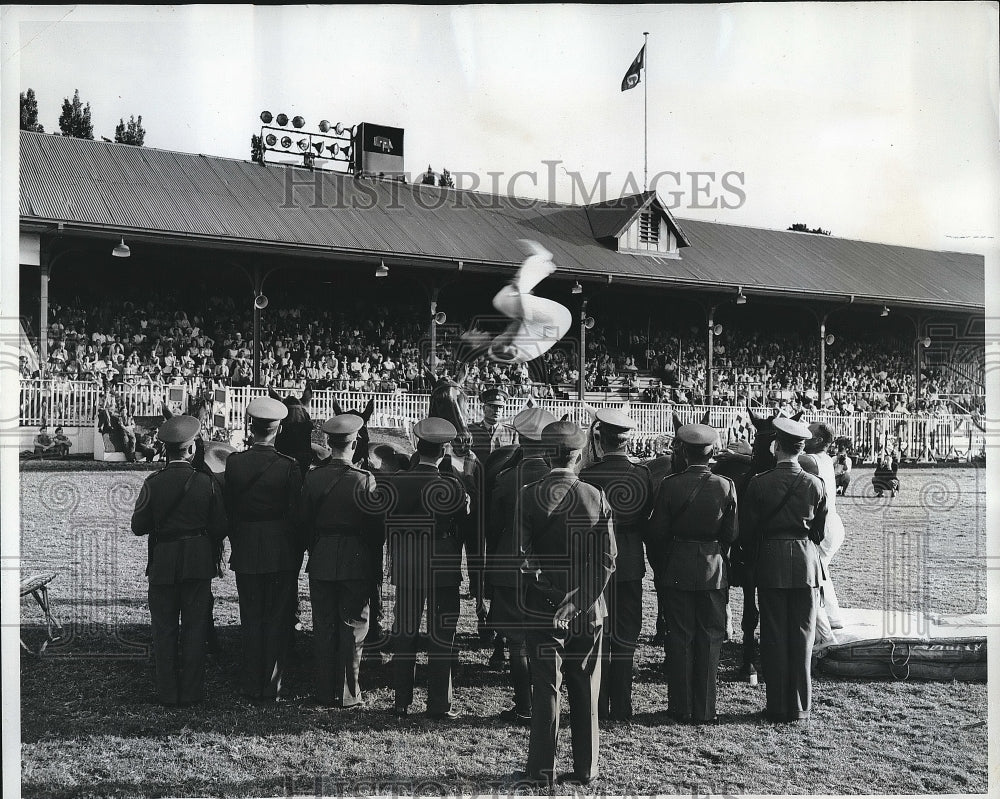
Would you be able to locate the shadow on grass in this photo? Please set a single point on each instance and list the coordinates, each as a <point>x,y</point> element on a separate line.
<point>96,684</point>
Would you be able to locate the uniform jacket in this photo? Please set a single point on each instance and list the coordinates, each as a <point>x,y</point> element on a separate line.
<point>688,546</point>
<point>783,549</point>
<point>568,539</point>
<point>198,521</point>
<point>424,511</point>
<point>484,441</point>
<point>629,490</point>
<point>263,515</point>
<point>472,472</point>
<point>344,530</point>
<point>503,550</point>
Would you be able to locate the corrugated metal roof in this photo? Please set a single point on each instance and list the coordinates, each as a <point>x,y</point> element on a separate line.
<point>126,188</point>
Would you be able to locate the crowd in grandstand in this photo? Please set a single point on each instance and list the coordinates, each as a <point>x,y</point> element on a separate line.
<point>378,348</point>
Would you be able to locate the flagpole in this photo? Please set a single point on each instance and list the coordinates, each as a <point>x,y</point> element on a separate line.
<point>645,112</point>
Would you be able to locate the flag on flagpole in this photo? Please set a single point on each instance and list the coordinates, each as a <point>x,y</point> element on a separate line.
<point>631,79</point>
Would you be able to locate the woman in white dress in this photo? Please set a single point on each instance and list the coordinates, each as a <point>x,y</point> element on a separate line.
<point>816,459</point>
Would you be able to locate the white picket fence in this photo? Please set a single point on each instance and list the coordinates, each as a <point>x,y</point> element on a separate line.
<point>937,438</point>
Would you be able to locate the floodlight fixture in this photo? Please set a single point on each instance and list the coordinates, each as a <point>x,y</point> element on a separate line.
<point>121,250</point>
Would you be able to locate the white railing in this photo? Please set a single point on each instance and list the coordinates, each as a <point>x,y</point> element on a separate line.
<point>59,403</point>
<point>74,404</point>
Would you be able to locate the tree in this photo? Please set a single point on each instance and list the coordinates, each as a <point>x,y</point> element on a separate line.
<point>446,180</point>
<point>802,227</point>
<point>133,133</point>
<point>427,179</point>
<point>257,149</point>
<point>75,118</point>
<point>29,112</point>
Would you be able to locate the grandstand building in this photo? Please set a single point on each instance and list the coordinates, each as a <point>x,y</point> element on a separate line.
<point>263,227</point>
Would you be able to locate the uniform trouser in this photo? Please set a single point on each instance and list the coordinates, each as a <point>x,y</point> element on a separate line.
<point>787,631</point>
<point>442,618</point>
<point>375,614</point>
<point>621,634</point>
<point>267,612</point>
<point>661,618</point>
<point>507,616</point>
<point>751,613</point>
<point>696,627</point>
<point>475,563</point>
<point>179,614</point>
<point>340,623</point>
<point>552,654</point>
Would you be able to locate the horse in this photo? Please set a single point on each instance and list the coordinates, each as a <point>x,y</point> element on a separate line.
<point>361,453</point>
<point>200,406</point>
<point>741,470</point>
<point>295,436</point>
<point>449,401</point>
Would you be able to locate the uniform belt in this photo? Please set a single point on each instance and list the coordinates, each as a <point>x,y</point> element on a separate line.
<point>696,540</point>
<point>339,530</point>
<point>164,537</point>
<point>258,519</point>
<point>785,537</point>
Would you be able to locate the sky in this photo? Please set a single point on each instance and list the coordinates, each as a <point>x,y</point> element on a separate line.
<point>874,121</point>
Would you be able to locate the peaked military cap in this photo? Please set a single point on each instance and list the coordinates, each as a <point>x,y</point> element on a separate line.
<point>614,418</point>
<point>791,429</point>
<point>564,434</point>
<point>530,423</point>
<point>179,430</point>
<point>493,396</point>
<point>343,427</point>
<point>267,410</point>
<point>697,435</point>
<point>435,430</point>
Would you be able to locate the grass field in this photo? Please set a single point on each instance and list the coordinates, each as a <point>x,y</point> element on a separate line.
<point>89,727</point>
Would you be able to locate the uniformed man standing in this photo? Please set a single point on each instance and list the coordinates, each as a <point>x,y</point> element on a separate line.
<point>262,495</point>
<point>693,524</point>
<point>489,434</point>
<point>182,512</point>
<point>344,535</point>
<point>782,521</point>
<point>568,540</point>
<point>503,554</point>
<point>629,489</point>
<point>425,548</point>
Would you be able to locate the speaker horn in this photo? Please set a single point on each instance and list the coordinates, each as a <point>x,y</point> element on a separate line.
<point>440,318</point>
<point>260,302</point>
